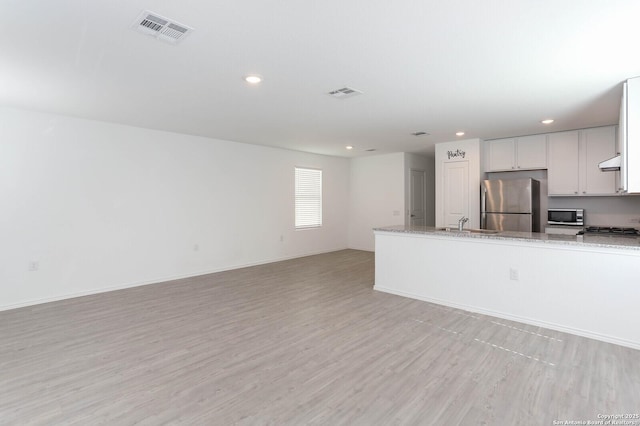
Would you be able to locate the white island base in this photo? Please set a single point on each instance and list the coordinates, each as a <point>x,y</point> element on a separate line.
<point>584,289</point>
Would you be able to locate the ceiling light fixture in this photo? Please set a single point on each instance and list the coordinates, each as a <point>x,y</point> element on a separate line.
<point>547,121</point>
<point>420,133</point>
<point>253,79</point>
<point>349,147</point>
<point>459,133</point>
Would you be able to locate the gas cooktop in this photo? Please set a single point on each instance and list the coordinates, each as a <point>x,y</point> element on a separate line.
<point>609,230</point>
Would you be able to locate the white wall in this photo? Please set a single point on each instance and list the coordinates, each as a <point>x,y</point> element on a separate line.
<point>376,197</point>
<point>103,206</point>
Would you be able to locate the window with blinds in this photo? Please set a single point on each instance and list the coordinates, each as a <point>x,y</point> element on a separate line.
<point>308,198</point>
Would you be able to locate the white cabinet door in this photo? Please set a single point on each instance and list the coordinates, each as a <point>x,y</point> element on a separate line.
<point>563,173</point>
<point>574,158</point>
<point>455,192</point>
<point>531,152</point>
<point>502,154</point>
<point>598,144</point>
<point>522,153</point>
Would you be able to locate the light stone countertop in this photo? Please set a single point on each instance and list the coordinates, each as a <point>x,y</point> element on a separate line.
<point>614,242</point>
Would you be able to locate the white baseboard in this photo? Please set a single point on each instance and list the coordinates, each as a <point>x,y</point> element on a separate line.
<point>362,249</point>
<point>524,320</point>
<point>156,280</point>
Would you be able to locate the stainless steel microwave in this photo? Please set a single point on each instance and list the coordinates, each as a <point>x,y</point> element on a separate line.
<point>574,217</point>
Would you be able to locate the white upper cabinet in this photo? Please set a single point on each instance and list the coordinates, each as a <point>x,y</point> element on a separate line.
<point>563,174</point>
<point>501,154</point>
<point>532,152</point>
<point>574,158</point>
<point>522,153</point>
<point>599,145</point>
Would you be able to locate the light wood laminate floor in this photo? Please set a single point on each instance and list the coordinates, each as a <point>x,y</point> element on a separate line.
<point>305,341</point>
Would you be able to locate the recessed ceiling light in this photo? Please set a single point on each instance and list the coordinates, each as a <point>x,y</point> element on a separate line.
<point>459,133</point>
<point>547,121</point>
<point>253,79</point>
<point>349,147</point>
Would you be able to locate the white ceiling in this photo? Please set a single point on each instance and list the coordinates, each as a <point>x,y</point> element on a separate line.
<point>492,68</point>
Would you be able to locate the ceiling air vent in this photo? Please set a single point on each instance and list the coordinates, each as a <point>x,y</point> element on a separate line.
<point>345,92</point>
<point>160,27</point>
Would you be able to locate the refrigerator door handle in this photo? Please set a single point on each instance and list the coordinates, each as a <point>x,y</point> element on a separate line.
<point>483,207</point>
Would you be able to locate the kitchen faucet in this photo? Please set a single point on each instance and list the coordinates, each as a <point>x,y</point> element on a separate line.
<point>461,222</point>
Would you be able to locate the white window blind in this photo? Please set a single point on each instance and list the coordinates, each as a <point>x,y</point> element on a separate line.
<point>308,198</point>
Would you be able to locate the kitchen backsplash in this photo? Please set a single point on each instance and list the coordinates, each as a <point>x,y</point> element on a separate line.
<point>604,211</point>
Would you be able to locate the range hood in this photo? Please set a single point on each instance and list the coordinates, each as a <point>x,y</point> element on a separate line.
<point>617,163</point>
<point>628,160</point>
<point>611,165</point>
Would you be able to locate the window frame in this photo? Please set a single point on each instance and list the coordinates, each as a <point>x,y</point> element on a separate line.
<point>308,207</point>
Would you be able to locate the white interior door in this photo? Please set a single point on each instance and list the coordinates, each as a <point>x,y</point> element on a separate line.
<point>455,191</point>
<point>418,202</point>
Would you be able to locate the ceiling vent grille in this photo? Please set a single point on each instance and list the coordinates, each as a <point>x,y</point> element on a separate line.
<point>162,28</point>
<point>345,92</point>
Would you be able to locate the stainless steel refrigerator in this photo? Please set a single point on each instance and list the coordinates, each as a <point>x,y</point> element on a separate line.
<point>510,205</point>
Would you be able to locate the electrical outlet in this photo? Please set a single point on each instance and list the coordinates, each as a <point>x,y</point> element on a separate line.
<point>196,247</point>
<point>396,212</point>
<point>513,274</point>
<point>33,265</point>
<point>281,238</point>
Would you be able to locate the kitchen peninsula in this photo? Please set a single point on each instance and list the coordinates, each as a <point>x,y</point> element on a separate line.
<point>584,285</point>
